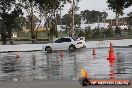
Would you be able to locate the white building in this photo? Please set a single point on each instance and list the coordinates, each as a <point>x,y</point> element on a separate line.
<point>95,25</point>
<point>84,26</point>
<point>121,27</point>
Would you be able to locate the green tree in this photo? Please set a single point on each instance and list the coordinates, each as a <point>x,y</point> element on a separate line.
<point>117,31</point>
<point>5,5</point>
<point>72,11</point>
<point>67,19</point>
<point>8,19</point>
<point>109,32</point>
<point>96,33</point>
<point>80,33</point>
<point>118,6</point>
<point>92,16</point>
<point>128,3</point>
<point>130,20</point>
<point>88,33</point>
<point>49,8</point>
<point>29,6</point>
<point>34,22</point>
<point>20,22</point>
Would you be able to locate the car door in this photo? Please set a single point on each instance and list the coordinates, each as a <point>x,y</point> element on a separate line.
<point>62,43</point>
<point>57,44</point>
<point>66,42</point>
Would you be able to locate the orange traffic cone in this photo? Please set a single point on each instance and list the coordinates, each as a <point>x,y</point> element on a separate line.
<point>111,54</point>
<point>61,54</point>
<point>17,56</point>
<point>93,52</point>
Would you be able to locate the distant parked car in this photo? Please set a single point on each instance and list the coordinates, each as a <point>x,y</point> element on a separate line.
<point>66,43</point>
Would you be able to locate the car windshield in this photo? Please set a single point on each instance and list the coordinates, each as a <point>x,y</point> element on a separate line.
<point>63,40</point>
<point>75,39</point>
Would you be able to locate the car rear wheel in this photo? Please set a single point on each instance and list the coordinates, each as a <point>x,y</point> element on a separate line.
<point>72,48</point>
<point>48,49</point>
<point>84,46</point>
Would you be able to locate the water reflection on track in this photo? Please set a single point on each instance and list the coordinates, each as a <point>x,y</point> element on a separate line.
<point>49,66</point>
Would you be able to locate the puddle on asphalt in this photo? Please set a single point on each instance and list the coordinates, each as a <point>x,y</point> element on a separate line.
<point>50,66</point>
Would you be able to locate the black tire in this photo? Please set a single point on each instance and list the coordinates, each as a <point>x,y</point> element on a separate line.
<point>48,49</point>
<point>84,46</point>
<point>72,48</point>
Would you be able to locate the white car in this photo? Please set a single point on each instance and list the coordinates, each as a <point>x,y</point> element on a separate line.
<point>66,43</point>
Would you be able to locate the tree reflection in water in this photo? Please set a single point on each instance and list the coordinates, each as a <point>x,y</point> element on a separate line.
<point>120,63</point>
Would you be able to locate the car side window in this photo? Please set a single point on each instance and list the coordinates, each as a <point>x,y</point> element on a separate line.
<point>58,41</point>
<point>65,39</point>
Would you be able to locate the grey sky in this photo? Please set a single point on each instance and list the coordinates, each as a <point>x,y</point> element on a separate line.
<point>99,5</point>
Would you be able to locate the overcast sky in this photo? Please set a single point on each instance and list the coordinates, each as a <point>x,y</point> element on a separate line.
<point>98,5</point>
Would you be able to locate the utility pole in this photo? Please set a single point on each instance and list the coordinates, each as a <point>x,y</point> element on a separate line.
<point>60,18</point>
<point>73,26</point>
<point>116,21</point>
<point>111,23</point>
<point>104,26</point>
<point>98,22</point>
<point>104,19</point>
<point>85,18</point>
<point>104,22</point>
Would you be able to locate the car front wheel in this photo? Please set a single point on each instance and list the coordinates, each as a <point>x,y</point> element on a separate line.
<point>72,48</point>
<point>48,49</point>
